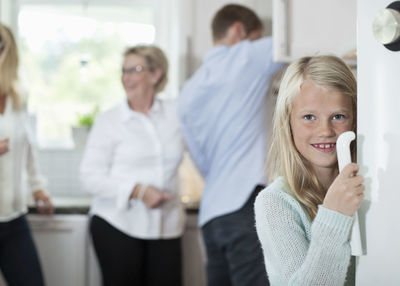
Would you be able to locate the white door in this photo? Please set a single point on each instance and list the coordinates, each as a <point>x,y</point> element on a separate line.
<point>378,150</point>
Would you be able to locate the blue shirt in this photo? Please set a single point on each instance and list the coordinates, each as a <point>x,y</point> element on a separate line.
<point>221,111</point>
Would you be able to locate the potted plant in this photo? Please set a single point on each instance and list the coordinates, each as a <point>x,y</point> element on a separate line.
<point>80,131</point>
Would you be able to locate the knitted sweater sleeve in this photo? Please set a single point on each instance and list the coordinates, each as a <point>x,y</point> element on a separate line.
<point>296,254</point>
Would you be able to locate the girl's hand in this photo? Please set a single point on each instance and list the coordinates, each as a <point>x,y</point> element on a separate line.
<point>3,146</point>
<point>346,192</point>
<point>154,197</point>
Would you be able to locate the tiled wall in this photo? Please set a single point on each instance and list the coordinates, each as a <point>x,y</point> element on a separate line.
<point>61,168</point>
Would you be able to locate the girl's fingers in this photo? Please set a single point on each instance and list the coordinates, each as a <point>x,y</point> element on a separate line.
<point>356,181</point>
<point>359,190</point>
<point>350,170</point>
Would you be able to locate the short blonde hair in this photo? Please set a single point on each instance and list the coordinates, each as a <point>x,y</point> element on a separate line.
<point>9,62</point>
<point>284,158</point>
<point>155,59</point>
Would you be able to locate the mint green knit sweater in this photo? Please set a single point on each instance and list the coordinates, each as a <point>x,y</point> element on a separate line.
<point>296,250</point>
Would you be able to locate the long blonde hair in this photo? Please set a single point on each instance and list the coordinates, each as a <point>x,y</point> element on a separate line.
<point>9,66</point>
<point>284,159</point>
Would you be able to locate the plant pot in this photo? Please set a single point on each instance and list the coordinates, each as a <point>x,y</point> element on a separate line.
<point>80,135</point>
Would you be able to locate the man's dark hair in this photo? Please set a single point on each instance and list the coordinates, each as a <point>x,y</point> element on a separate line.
<point>230,14</point>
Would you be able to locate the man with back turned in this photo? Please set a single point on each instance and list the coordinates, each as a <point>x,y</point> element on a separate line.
<point>222,115</point>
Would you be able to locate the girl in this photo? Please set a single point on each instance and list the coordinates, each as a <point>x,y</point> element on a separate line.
<point>304,217</point>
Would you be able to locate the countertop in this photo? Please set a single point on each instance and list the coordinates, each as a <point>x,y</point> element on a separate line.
<point>67,205</point>
<point>81,205</point>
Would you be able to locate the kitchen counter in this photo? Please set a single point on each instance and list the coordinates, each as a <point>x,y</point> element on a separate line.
<point>81,205</point>
<point>66,205</point>
<point>75,263</point>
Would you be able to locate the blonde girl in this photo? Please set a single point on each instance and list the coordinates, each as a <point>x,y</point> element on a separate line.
<point>304,217</point>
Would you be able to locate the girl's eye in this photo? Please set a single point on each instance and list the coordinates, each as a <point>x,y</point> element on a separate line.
<point>309,117</point>
<point>338,116</point>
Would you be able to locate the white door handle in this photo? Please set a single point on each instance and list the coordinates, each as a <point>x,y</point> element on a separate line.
<point>344,158</point>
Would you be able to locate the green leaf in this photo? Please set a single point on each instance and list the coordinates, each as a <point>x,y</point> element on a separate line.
<point>87,119</point>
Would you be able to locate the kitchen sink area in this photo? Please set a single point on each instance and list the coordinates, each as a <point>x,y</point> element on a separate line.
<point>68,258</point>
<point>63,240</point>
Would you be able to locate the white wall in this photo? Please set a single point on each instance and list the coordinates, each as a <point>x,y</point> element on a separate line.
<point>8,13</point>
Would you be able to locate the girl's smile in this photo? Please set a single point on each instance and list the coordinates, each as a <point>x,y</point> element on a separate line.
<point>325,147</point>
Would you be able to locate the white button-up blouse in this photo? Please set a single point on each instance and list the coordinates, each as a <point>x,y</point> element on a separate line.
<point>126,148</point>
<point>18,167</point>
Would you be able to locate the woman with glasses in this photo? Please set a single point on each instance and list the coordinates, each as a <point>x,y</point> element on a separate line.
<point>130,167</point>
<point>19,261</point>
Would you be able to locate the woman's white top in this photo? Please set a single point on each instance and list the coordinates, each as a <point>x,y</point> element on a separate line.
<point>126,148</point>
<point>18,167</point>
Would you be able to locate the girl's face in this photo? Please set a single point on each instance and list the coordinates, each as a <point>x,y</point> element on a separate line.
<point>318,117</point>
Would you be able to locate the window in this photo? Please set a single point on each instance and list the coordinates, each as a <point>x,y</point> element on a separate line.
<point>72,55</point>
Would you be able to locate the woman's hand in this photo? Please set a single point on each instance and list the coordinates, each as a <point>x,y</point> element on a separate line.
<point>43,203</point>
<point>346,192</point>
<point>154,197</point>
<point>3,146</point>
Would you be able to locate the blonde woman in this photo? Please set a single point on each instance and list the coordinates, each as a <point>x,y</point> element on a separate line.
<point>19,261</point>
<point>130,167</point>
<point>304,217</point>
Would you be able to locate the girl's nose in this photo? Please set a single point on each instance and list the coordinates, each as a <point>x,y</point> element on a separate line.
<point>325,128</point>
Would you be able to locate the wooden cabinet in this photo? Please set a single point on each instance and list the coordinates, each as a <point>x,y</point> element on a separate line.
<point>194,273</point>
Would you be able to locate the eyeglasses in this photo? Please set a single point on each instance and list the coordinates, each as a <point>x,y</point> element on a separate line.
<point>134,70</point>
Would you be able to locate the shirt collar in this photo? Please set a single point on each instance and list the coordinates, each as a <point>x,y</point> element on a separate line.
<point>214,51</point>
<point>220,48</point>
<point>127,113</point>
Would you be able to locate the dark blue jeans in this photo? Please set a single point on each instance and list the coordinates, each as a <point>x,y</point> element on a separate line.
<point>234,255</point>
<point>19,260</point>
